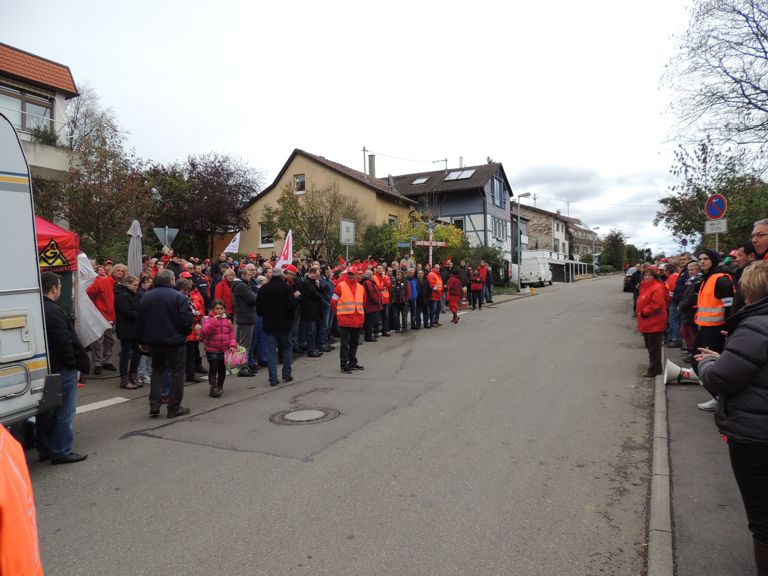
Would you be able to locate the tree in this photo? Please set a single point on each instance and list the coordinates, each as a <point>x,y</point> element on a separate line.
<point>705,171</point>
<point>614,251</point>
<point>721,71</point>
<point>202,197</point>
<point>314,218</point>
<point>632,254</point>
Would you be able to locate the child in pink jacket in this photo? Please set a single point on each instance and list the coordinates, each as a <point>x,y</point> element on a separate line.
<point>218,336</point>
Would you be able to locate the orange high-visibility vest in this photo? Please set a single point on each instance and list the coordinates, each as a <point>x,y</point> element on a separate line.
<point>381,282</point>
<point>710,310</point>
<point>349,303</point>
<point>19,551</point>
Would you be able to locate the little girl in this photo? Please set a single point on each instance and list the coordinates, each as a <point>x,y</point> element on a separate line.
<point>218,336</point>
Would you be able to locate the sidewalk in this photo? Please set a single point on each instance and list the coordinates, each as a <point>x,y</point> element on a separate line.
<point>709,525</point>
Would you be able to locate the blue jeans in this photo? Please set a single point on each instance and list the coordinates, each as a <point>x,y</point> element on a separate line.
<point>54,428</point>
<point>284,340</point>
<point>488,291</point>
<point>145,366</point>
<point>310,331</point>
<point>323,325</point>
<point>384,318</point>
<point>434,312</point>
<point>415,318</point>
<point>261,341</point>
<point>674,322</point>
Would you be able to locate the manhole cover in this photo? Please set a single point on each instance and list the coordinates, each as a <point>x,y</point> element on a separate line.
<point>304,416</point>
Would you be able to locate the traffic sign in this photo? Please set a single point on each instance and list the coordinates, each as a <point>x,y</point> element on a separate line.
<point>403,244</point>
<point>716,206</point>
<point>716,226</point>
<point>429,243</point>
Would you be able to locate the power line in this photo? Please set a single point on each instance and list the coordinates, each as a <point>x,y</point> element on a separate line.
<point>406,159</point>
<point>596,203</point>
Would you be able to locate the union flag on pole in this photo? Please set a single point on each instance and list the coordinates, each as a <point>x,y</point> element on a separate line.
<point>286,256</point>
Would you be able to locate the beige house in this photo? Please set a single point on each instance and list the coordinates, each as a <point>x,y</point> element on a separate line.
<point>546,230</point>
<point>376,197</point>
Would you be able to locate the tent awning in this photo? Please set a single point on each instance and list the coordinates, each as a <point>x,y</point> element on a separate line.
<point>57,248</point>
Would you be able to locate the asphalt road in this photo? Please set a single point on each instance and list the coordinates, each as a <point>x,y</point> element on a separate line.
<point>517,442</point>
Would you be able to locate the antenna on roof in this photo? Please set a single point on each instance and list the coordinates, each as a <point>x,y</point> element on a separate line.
<point>365,166</point>
<point>445,160</point>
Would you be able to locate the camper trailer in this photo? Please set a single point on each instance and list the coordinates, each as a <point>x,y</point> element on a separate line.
<point>24,378</point>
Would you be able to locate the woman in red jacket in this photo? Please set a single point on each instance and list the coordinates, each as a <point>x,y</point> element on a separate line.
<point>223,290</point>
<point>652,317</point>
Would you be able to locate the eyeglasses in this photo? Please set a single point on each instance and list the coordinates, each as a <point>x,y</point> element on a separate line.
<point>759,234</point>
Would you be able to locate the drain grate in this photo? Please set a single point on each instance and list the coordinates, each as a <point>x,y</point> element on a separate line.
<point>304,415</point>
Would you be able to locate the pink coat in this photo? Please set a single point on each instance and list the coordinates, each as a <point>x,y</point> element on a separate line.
<point>217,334</point>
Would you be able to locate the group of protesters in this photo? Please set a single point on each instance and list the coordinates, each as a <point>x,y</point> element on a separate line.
<point>715,307</point>
<point>273,312</point>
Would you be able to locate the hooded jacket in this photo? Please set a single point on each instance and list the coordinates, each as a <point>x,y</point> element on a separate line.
<point>652,307</point>
<point>739,377</point>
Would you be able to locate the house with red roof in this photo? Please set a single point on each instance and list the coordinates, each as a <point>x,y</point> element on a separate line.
<point>33,95</point>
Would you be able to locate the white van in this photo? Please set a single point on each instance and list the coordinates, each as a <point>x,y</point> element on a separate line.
<point>23,348</point>
<point>535,270</point>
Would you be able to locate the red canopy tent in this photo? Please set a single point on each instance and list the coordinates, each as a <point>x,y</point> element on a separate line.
<point>57,248</point>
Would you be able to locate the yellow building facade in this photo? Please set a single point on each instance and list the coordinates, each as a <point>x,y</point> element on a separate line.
<point>376,198</point>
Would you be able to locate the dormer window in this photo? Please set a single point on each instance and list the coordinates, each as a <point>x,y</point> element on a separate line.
<point>419,181</point>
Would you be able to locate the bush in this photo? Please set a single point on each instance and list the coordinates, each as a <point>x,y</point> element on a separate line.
<point>607,269</point>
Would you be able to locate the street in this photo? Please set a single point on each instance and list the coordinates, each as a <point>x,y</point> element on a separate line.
<point>517,442</point>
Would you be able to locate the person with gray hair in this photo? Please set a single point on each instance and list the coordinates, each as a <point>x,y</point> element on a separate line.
<point>244,299</point>
<point>760,238</point>
<point>164,320</point>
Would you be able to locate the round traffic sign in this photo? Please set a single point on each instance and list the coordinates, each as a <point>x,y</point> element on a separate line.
<point>716,206</point>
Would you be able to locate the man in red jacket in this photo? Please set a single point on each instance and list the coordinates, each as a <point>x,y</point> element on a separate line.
<point>102,293</point>
<point>348,303</point>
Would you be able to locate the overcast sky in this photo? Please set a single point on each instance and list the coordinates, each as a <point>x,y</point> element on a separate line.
<point>565,94</point>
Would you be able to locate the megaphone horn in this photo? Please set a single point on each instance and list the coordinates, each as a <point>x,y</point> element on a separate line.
<point>674,374</point>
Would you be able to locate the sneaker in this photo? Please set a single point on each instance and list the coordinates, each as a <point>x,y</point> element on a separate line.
<point>70,458</point>
<point>109,366</point>
<point>356,367</point>
<point>709,405</point>
<point>154,411</point>
<point>287,378</point>
<point>346,370</point>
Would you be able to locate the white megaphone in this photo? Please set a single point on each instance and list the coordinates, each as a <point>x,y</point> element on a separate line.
<point>674,374</point>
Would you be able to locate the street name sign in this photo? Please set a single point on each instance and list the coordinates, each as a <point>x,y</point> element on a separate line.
<point>429,243</point>
<point>716,226</point>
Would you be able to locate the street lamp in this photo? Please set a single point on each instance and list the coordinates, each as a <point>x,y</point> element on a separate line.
<point>519,239</point>
<point>593,249</point>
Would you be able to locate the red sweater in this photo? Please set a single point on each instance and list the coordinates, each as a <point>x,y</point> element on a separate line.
<point>102,292</point>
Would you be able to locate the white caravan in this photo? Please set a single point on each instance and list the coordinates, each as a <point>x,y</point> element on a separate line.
<point>535,270</point>
<point>23,351</point>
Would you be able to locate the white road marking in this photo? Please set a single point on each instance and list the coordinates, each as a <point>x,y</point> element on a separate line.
<point>101,404</point>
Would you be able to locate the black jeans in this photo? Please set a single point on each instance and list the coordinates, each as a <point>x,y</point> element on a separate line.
<point>370,324</point>
<point>413,305</point>
<point>217,369</point>
<point>653,342</point>
<point>174,358</point>
<point>348,348</point>
<point>426,315</point>
<point>750,466</point>
<point>189,362</point>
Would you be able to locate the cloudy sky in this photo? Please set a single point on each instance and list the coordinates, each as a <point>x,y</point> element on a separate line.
<point>565,94</point>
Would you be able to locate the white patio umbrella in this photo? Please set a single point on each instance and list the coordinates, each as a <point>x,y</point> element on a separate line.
<point>134,249</point>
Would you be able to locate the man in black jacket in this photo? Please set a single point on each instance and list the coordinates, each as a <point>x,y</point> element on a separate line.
<point>165,319</point>
<point>311,302</point>
<point>66,356</point>
<point>276,305</point>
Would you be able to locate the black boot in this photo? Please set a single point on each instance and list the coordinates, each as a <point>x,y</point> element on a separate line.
<point>761,558</point>
<point>212,386</point>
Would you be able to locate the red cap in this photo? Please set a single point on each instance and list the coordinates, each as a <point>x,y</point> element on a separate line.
<point>290,268</point>
<point>185,275</point>
<point>353,270</point>
<point>733,253</point>
<point>107,262</point>
<point>251,255</point>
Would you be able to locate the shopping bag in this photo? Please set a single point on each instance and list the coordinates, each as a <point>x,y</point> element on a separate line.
<point>234,359</point>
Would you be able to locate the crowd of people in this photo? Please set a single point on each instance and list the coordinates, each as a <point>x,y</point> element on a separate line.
<point>715,307</point>
<point>178,312</point>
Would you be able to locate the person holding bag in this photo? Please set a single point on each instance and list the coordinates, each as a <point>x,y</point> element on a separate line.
<point>218,336</point>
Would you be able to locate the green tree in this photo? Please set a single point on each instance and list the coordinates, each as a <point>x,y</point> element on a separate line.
<point>705,171</point>
<point>614,250</point>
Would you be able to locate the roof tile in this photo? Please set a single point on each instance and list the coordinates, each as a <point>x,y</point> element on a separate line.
<point>36,70</point>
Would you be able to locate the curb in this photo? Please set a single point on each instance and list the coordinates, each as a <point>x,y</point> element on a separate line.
<point>660,556</point>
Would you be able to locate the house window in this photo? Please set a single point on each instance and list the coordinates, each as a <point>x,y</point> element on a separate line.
<point>266,236</point>
<point>419,181</point>
<point>392,219</point>
<point>557,244</point>
<point>299,184</point>
<point>499,228</point>
<point>26,111</point>
<point>497,192</point>
<point>458,223</point>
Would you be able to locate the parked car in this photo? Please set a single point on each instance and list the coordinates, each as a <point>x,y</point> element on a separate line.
<point>628,285</point>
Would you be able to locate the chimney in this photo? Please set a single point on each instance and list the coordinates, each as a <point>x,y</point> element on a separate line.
<point>372,165</point>
<point>461,161</point>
